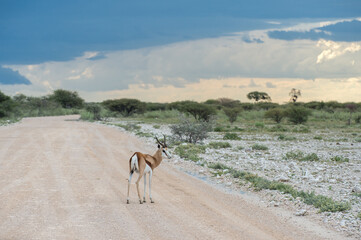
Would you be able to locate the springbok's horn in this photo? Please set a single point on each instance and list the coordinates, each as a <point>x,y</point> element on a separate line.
<point>164,141</point>
<point>159,141</point>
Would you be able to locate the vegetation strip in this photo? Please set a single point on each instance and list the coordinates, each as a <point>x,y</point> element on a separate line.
<point>325,204</point>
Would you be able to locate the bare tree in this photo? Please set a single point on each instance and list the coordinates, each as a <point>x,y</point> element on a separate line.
<point>294,94</point>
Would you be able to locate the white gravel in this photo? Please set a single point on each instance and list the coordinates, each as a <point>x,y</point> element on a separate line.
<point>340,181</point>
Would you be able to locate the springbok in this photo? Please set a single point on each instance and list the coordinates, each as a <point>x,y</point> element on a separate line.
<point>143,164</point>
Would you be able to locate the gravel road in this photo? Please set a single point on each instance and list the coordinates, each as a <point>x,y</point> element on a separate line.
<point>65,179</point>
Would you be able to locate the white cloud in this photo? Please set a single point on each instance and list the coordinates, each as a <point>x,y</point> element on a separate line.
<point>187,62</point>
<point>270,85</point>
<point>87,73</point>
<point>333,49</point>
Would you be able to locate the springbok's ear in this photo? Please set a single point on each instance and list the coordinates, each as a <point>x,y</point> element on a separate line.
<point>158,146</point>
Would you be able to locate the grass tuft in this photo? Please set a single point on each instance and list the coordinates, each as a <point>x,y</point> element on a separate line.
<point>300,156</point>
<point>231,136</point>
<point>259,147</point>
<point>190,151</point>
<point>340,159</point>
<point>218,145</point>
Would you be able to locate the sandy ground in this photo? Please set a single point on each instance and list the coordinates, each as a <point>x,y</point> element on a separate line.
<point>65,179</point>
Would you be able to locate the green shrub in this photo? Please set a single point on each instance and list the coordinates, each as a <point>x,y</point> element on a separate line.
<point>317,137</point>
<point>240,148</point>
<point>6,105</point>
<point>358,118</point>
<point>259,125</point>
<point>232,113</point>
<point>190,151</point>
<point>94,109</point>
<point>297,114</point>
<point>152,106</point>
<point>231,136</point>
<point>67,99</point>
<point>191,131</point>
<point>340,159</point>
<point>125,106</point>
<point>200,111</point>
<point>276,114</point>
<point>300,156</point>
<point>218,145</point>
<point>301,129</point>
<point>278,128</point>
<point>286,138</point>
<point>259,147</point>
<point>129,126</point>
<point>219,129</point>
<point>311,157</point>
<point>217,166</point>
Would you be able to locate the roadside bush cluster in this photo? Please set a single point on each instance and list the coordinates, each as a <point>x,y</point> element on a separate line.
<point>200,111</point>
<point>191,131</point>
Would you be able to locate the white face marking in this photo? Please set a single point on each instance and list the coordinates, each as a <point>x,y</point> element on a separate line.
<point>166,153</point>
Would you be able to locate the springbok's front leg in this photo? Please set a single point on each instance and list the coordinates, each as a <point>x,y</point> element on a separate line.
<point>145,184</point>
<point>150,186</point>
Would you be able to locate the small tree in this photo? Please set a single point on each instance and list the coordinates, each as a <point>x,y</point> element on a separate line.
<point>125,106</point>
<point>67,99</point>
<point>257,96</point>
<point>191,131</point>
<point>95,109</point>
<point>276,114</point>
<point>294,94</point>
<point>297,114</point>
<point>232,113</point>
<point>199,111</point>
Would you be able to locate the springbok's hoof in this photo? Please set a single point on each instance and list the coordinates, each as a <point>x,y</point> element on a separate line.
<point>144,200</point>
<point>127,201</point>
<point>151,201</point>
<point>140,201</point>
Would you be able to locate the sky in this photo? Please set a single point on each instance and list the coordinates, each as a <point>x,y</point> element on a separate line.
<point>164,51</point>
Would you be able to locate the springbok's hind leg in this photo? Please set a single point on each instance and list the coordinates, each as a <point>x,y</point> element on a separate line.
<point>137,183</point>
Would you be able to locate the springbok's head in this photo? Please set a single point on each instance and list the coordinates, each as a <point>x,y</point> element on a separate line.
<point>163,147</point>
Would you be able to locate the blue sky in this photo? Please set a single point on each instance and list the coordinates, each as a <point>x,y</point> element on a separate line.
<point>142,49</point>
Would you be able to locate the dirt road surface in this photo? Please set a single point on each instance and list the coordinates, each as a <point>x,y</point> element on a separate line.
<point>66,179</point>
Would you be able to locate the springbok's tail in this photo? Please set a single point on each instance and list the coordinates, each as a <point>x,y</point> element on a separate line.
<point>133,163</point>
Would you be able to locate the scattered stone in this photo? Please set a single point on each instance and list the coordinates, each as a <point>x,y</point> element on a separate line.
<point>282,179</point>
<point>356,189</point>
<point>302,212</point>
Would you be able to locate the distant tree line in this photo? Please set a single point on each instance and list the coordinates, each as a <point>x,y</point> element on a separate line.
<point>67,102</point>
